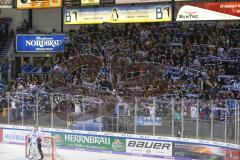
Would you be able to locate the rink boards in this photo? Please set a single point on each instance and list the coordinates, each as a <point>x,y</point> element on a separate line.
<point>128,144</point>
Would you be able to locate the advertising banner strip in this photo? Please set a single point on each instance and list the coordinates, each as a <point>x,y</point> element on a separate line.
<point>119,14</point>
<point>40,43</point>
<point>90,142</point>
<point>28,4</point>
<point>208,11</point>
<point>6,3</point>
<point>157,148</point>
<point>128,136</point>
<point>139,1</point>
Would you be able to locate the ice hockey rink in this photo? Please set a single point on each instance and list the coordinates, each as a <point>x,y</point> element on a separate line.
<point>16,152</point>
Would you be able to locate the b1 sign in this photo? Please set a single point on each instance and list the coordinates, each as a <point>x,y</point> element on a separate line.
<point>40,43</point>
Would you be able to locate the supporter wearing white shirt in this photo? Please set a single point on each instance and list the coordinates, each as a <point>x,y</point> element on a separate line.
<point>14,108</point>
<point>152,112</point>
<point>194,112</point>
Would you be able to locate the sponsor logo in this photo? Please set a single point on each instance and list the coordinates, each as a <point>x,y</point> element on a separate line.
<point>118,145</point>
<point>188,15</point>
<point>59,139</point>
<point>40,43</point>
<point>14,136</point>
<point>149,147</point>
<point>44,42</point>
<point>87,139</point>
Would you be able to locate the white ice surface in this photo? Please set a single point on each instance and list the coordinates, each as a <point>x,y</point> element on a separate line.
<point>16,152</point>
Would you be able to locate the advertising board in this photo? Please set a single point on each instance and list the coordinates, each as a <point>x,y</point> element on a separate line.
<point>208,11</point>
<point>142,145</point>
<point>15,136</point>
<point>40,43</point>
<point>90,2</point>
<point>29,4</point>
<point>158,148</point>
<point>197,151</point>
<point>119,14</point>
<point>18,136</point>
<point>90,142</point>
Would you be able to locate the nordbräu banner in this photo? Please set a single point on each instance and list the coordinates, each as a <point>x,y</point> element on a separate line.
<point>40,43</point>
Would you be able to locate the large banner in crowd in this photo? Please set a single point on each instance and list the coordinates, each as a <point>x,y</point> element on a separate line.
<point>28,4</point>
<point>40,43</point>
<point>6,3</point>
<point>119,14</point>
<point>208,11</point>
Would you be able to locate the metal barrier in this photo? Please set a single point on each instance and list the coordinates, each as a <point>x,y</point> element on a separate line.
<point>189,118</point>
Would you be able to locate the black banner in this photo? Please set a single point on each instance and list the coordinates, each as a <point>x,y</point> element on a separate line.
<point>107,1</point>
<point>71,3</point>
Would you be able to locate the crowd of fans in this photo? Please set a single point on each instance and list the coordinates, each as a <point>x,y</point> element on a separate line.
<point>197,62</point>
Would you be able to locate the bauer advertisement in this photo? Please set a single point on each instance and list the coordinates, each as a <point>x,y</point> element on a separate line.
<point>119,14</point>
<point>30,4</point>
<point>149,147</point>
<point>208,11</point>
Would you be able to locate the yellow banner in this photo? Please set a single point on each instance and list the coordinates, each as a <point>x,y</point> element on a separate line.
<point>90,2</point>
<point>119,14</point>
<point>31,4</point>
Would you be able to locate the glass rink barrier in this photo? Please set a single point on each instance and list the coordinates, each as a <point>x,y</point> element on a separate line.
<point>216,120</point>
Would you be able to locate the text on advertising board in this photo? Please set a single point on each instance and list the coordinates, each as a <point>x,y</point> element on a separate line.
<point>28,4</point>
<point>157,148</point>
<point>208,11</point>
<point>119,14</point>
<point>40,43</point>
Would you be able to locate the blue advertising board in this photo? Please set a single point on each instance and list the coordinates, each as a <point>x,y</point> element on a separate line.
<point>40,42</point>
